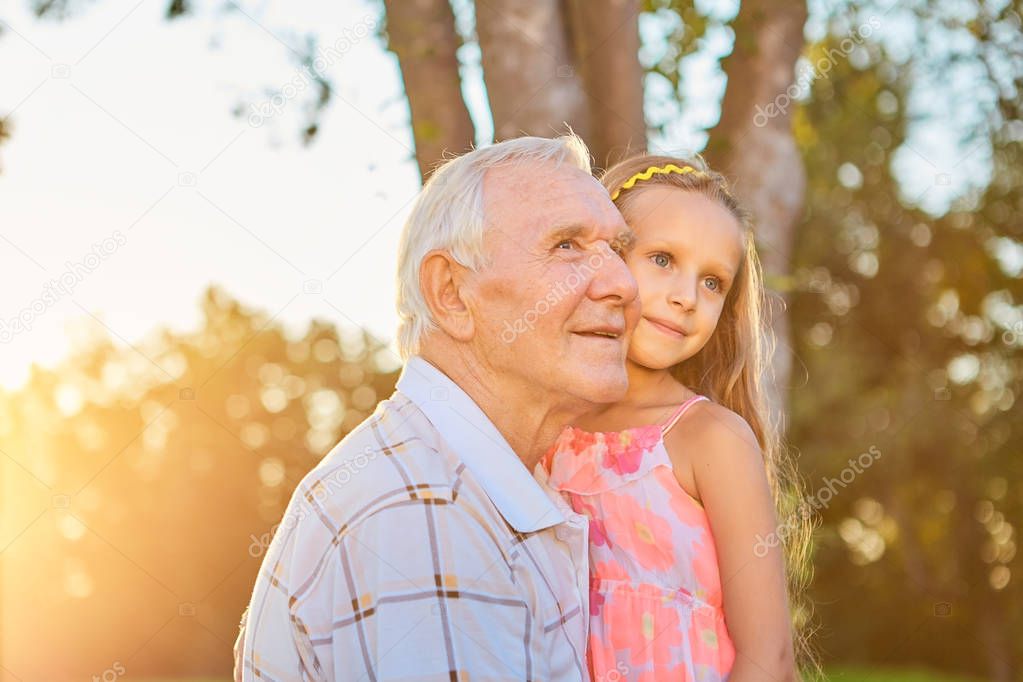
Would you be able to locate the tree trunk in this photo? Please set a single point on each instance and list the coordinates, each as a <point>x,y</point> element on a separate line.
<point>529,68</point>
<point>753,144</point>
<point>5,132</point>
<point>605,35</point>
<point>994,635</point>
<point>972,580</point>
<point>422,34</point>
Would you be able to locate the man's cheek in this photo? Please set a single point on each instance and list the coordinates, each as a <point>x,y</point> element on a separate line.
<point>633,312</point>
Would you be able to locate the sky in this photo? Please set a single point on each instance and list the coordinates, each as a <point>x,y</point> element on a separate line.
<point>122,124</point>
<point>128,187</point>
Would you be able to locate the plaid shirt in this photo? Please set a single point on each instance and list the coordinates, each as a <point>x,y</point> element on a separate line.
<point>420,548</point>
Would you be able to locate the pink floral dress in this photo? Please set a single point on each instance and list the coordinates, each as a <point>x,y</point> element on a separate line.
<point>655,589</point>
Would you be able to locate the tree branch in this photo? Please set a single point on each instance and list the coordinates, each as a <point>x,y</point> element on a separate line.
<point>605,38</point>
<point>529,68</point>
<point>422,35</point>
<point>753,144</point>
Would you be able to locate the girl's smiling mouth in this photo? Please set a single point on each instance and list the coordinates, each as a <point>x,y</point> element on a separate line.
<point>666,327</point>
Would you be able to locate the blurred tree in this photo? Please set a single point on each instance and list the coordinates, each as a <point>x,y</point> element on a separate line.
<point>754,146</point>
<point>908,325</point>
<point>423,36</point>
<point>144,484</point>
<point>5,133</point>
<point>551,63</point>
<point>543,62</point>
<point>548,62</point>
<point>528,66</point>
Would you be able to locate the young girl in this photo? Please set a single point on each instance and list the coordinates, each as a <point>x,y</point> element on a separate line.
<point>686,582</point>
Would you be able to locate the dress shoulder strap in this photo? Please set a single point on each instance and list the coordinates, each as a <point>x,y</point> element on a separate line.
<point>673,419</point>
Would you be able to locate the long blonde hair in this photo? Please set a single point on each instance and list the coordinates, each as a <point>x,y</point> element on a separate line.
<point>731,368</point>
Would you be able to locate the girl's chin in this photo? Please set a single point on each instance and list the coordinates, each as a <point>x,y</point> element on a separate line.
<point>654,361</point>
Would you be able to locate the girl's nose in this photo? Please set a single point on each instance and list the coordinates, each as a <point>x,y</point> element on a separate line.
<point>684,295</point>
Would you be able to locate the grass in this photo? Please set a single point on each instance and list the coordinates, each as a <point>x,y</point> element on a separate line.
<point>856,674</point>
<point>838,674</point>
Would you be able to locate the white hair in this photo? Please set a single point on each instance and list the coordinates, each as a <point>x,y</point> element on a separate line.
<point>448,215</point>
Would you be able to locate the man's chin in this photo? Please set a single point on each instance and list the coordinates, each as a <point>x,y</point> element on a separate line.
<point>604,389</point>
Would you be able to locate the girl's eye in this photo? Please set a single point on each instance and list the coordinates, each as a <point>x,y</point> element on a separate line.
<point>661,260</point>
<point>713,283</point>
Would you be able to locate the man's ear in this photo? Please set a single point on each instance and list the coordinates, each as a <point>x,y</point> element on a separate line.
<point>442,280</point>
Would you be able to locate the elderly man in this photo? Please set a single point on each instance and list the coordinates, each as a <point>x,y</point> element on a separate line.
<point>421,547</point>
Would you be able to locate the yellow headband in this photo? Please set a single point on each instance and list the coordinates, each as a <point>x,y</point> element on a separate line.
<point>650,172</point>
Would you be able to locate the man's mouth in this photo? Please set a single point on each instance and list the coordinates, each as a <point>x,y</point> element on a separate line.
<point>607,332</point>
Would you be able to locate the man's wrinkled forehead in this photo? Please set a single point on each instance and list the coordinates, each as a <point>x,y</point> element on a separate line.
<point>538,194</point>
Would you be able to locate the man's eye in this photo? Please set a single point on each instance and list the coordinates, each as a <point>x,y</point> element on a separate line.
<point>568,243</point>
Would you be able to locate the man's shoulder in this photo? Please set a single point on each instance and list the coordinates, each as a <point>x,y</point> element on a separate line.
<point>393,456</point>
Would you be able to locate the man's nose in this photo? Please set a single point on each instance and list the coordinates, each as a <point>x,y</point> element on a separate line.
<point>613,280</point>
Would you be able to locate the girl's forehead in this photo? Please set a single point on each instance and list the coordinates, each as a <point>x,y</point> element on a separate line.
<point>668,209</point>
<point>689,220</point>
<point>670,197</point>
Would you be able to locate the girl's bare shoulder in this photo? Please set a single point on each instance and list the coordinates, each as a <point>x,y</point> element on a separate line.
<point>714,453</point>
<point>708,428</point>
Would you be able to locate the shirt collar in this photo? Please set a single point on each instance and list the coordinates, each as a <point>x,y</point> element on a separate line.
<point>477,442</point>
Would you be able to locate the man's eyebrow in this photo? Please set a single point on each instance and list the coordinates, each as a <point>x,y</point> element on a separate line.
<point>626,239</point>
<point>566,232</point>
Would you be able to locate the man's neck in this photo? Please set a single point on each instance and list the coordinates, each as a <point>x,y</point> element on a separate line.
<point>646,388</point>
<point>530,422</point>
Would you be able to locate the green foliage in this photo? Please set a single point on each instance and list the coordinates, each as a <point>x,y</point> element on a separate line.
<point>908,329</point>
<point>676,29</point>
<point>178,8</point>
<point>891,675</point>
<point>143,481</point>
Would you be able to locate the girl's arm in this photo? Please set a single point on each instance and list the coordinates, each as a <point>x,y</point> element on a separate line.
<point>728,469</point>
